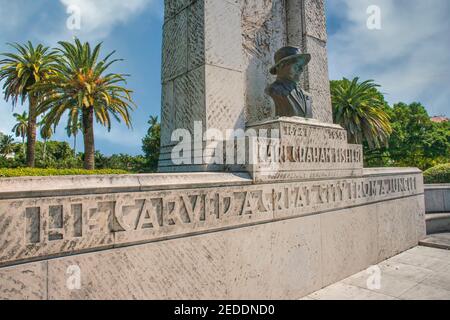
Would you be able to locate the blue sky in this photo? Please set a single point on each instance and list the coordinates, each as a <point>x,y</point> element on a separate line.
<point>409,56</point>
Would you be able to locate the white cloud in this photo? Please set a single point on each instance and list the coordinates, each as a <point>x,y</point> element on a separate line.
<point>408,56</point>
<point>99,17</point>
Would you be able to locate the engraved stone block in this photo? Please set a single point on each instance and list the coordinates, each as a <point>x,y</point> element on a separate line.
<point>297,148</point>
<point>95,222</point>
<point>49,226</point>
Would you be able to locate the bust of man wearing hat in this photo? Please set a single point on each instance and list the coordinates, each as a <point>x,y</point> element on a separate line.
<point>290,100</point>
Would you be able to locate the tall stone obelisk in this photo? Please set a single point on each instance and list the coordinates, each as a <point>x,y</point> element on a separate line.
<point>202,69</point>
<point>216,60</point>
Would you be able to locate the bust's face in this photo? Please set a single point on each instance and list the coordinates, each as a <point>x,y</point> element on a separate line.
<point>290,71</point>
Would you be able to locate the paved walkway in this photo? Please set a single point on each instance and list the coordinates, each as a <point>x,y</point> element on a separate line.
<point>421,273</point>
<point>439,241</point>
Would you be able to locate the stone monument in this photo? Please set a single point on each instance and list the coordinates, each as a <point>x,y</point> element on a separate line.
<point>216,65</point>
<point>306,214</point>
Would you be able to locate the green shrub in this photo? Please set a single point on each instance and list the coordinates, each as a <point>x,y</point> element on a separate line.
<point>438,174</point>
<point>29,172</point>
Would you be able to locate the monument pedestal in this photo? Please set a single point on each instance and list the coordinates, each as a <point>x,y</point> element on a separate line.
<point>289,149</point>
<point>200,235</point>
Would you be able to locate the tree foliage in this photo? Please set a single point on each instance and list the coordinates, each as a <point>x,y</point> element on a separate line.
<point>151,143</point>
<point>21,127</point>
<point>416,141</point>
<point>361,109</point>
<point>398,136</point>
<point>83,88</point>
<point>7,145</point>
<point>438,174</point>
<point>21,71</point>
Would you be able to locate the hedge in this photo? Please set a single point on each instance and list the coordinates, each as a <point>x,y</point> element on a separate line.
<point>438,174</point>
<point>33,172</point>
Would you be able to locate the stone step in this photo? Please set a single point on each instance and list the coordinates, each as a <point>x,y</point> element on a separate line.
<point>439,241</point>
<point>438,223</point>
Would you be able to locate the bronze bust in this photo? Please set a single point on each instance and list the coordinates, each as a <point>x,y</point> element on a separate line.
<point>290,100</point>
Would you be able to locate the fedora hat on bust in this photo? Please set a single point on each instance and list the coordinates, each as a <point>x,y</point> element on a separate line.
<point>290,55</point>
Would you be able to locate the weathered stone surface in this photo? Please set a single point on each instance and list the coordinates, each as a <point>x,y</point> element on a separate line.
<point>168,121</point>
<point>28,231</point>
<point>282,248</point>
<point>214,266</point>
<point>263,33</point>
<point>317,79</point>
<point>223,35</point>
<point>280,260</point>
<point>294,22</point>
<point>398,228</point>
<point>173,7</point>
<point>349,243</point>
<point>205,64</point>
<point>190,267</point>
<point>189,100</point>
<point>306,27</point>
<point>25,282</point>
<point>315,20</point>
<point>196,35</point>
<point>224,99</point>
<point>41,227</point>
<point>175,47</point>
<point>296,148</point>
<point>353,239</point>
<point>437,198</point>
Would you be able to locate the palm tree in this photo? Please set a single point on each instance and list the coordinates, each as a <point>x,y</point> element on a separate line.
<point>46,134</point>
<point>21,127</point>
<point>151,143</point>
<point>360,108</point>
<point>6,145</point>
<point>21,71</point>
<point>72,130</point>
<point>82,88</point>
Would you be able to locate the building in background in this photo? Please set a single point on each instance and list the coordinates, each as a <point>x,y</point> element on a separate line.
<point>439,119</point>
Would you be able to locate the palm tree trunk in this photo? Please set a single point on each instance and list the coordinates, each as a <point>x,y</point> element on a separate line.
<point>88,135</point>
<point>75,145</point>
<point>31,133</point>
<point>45,149</point>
